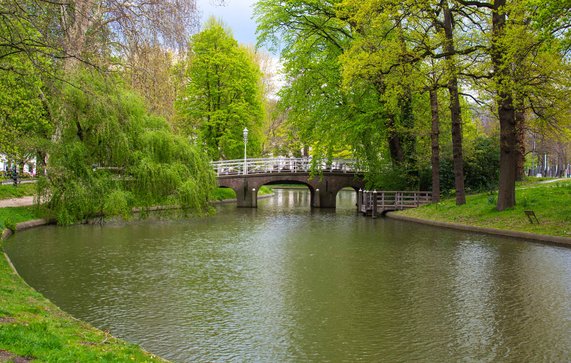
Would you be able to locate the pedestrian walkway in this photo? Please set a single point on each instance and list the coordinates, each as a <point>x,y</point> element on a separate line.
<point>17,202</point>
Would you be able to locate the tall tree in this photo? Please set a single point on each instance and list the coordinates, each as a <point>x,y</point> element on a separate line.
<point>517,55</point>
<point>223,94</point>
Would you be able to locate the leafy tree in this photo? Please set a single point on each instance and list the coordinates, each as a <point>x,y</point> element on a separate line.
<point>323,115</point>
<point>223,95</point>
<point>112,155</point>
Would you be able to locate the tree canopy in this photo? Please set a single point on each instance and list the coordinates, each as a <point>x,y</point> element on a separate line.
<point>223,94</point>
<point>380,69</point>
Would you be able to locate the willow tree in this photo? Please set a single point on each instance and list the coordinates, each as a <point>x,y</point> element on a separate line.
<point>113,155</point>
<point>223,94</point>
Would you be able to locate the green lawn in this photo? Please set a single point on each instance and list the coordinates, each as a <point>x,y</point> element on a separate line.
<point>31,327</point>
<point>9,191</point>
<point>551,203</point>
<point>9,217</point>
<point>227,193</point>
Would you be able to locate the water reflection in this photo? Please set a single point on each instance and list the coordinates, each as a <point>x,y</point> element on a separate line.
<point>285,283</point>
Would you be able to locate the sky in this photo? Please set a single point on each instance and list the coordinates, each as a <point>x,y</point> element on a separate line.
<point>236,14</point>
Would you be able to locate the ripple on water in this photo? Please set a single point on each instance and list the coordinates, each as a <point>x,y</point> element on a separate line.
<point>270,285</point>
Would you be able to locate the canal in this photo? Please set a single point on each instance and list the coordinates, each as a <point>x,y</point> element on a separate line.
<point>284,283</point>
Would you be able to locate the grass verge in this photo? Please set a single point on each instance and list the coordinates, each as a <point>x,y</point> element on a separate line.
<point>227,193</point>
<point>22,190</point>
<point>34,329</point>
<point>9,217</point>
<point>551,203</point>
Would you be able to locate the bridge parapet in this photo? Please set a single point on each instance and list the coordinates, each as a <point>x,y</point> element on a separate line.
<point>282,165</point>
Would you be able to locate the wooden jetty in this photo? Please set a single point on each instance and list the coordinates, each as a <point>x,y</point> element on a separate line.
<point>375,203</point>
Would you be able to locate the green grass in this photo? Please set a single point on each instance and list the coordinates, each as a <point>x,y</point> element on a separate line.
<point>31,327</point>
<point>22,190</point>
<point>551,203</point>
<point>34,328</point>
<point>227,193</point>
<point>10,216</point>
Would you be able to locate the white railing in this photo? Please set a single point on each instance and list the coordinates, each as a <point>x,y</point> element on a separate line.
<point>282,165</point>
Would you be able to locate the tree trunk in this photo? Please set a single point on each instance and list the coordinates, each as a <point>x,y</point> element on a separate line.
<point>395,144</point>
<point>41,163</point>
<point>435,157</point>
<point>455,109</point>
<point>76,27</point>
<point>506,112</point>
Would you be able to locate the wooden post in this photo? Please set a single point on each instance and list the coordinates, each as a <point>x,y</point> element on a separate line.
<point>374,212</point>
<point>359,200</point>
<point>254,198</point>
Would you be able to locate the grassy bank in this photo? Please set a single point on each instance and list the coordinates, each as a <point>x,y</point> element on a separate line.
<point>551,203</point>
<point>227,193</point>
<point>32,328</point>
<point>22,190</point>
<point>9,217</point>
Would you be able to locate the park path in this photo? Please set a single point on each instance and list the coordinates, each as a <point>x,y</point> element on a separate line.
<point>17,202</point>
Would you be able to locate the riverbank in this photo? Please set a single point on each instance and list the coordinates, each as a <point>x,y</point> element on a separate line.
<point>549,202</point>
<point>34,329</point>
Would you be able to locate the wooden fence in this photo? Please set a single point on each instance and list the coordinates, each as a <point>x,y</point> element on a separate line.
<point>375,203</point>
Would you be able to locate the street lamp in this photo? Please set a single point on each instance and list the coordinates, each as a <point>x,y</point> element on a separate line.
<point>245,143</point>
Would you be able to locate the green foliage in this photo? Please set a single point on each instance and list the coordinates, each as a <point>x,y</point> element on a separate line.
<point>24,122</point>
<point>22,190</point>
<point>481,165</point>
<point>387,176</point>
<point>321,114</point>
<point>9,217</point>
<point>223,194</point>
<point>223,95</point>
<point>113,156</point>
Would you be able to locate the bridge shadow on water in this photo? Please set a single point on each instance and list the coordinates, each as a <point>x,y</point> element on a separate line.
<point>297,200</point>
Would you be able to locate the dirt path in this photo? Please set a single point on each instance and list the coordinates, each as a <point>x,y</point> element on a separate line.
<point>17,202</point>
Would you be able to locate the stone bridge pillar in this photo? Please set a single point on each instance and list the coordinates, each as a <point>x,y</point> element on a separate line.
<point>247,196</point>
<point>323,189</point>
<point>324,198</point>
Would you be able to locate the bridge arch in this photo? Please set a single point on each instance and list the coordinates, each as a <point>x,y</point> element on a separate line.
<point>246,177</point>
<point>323,189</point>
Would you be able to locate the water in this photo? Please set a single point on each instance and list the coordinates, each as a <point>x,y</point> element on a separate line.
<point>284,283</point>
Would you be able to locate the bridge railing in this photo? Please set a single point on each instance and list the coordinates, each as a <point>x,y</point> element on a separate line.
<point>378,202</point>
<point>281,165</point>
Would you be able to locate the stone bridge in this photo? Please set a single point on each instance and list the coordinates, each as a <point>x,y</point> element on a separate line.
<point>246,177</point>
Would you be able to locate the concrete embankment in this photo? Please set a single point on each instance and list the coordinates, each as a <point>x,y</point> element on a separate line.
<point>562,241</point>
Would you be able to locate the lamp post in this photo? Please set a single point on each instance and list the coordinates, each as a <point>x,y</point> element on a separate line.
<point>245,143</point>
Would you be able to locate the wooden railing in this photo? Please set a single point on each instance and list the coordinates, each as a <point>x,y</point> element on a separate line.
<point>281,165</point>
<point>376,203</point>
